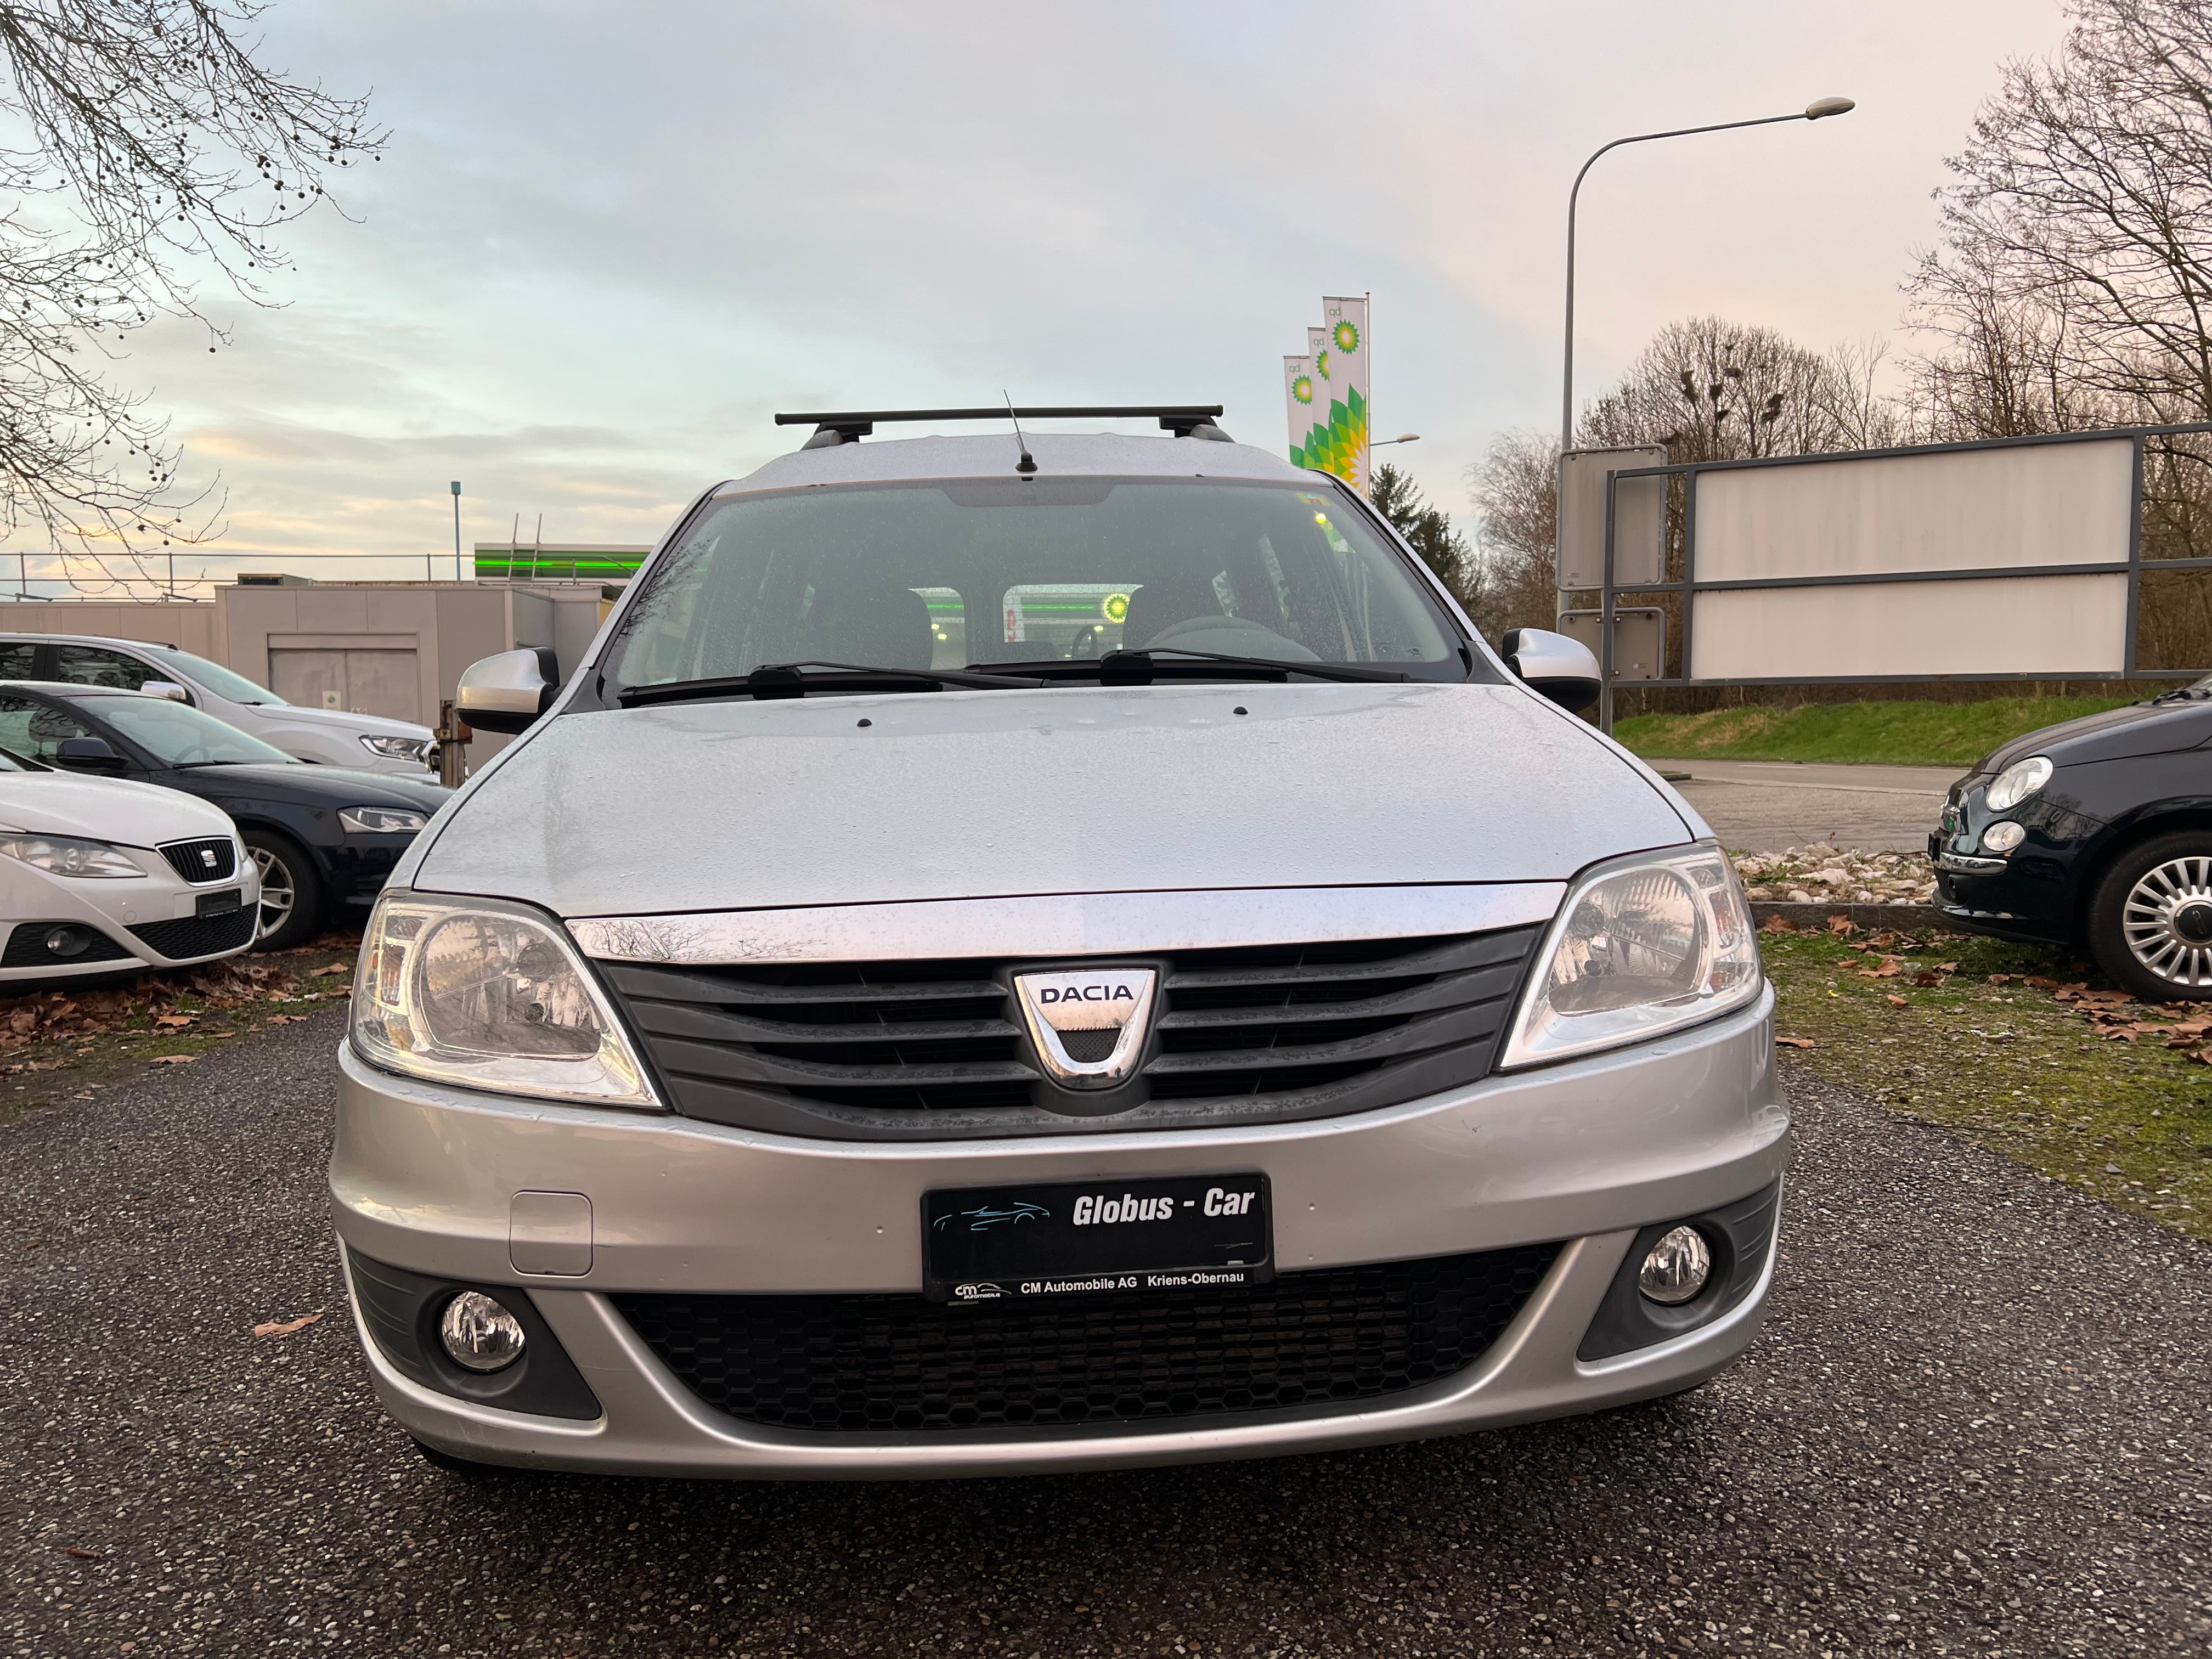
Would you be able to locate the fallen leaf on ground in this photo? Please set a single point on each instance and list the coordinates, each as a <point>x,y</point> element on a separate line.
<point>174,1019</point>
<point>1896,1002</point>
<point>84,1554</point>
<point>1795,1042</point>
<point>335,967</point>
<point>286,1327</point>
<point>1842,925</point>
<point>173,1059</point>
<point>2001,979</point>
<point>1927,976</point>
<point>1778,925</point>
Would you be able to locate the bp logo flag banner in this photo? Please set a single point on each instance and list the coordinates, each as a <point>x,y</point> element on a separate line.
<point>1302,401</point>
<point>1336,438</point>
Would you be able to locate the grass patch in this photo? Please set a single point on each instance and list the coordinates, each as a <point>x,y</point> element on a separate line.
<point>1890,733</point>
<point>65,1040</point>
<point>2008,1066</point>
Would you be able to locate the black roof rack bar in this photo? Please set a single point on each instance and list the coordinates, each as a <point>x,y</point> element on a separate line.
<point>845,418</point>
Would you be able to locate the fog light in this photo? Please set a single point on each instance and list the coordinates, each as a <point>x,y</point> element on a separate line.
<point>1677,1268</point>
<point>478,1334</point>
<point>2003,836</point>
<point>69,941</point>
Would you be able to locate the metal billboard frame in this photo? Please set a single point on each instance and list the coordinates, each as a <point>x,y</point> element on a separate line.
<point>1689,587</point>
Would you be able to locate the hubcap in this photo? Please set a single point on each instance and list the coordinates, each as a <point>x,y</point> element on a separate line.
<point>277,892</point>
<point>2167,921</point>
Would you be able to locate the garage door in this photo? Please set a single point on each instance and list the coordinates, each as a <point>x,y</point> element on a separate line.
<point>365,681</point>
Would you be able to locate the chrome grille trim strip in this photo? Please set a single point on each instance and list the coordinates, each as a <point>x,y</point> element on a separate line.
<point>1066,924</point>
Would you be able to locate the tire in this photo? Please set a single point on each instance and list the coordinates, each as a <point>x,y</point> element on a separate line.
<point>291,891</point>
<point>2150,918</point>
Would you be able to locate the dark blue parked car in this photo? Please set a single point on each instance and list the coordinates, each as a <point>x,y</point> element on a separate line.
<point>2095,834</point>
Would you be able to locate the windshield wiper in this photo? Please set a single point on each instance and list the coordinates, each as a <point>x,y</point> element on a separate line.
<point>1139,667</point>
<point>2183,694</point>
<point>790,679</point>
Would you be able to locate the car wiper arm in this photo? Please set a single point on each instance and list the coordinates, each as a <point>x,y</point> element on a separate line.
<point>1137,667</point>
<point>791,679</point>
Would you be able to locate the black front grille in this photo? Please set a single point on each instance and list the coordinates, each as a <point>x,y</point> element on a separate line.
<point>200,936</point>
<point>26,946</point>
<point>869,1363</point>
<point>214,859</point>
<point>934,1050</point>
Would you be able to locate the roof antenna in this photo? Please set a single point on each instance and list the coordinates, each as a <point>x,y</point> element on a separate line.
<point>1027,464</point>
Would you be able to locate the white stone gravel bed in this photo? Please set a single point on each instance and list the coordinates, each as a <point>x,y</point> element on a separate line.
<point>1820,873</point>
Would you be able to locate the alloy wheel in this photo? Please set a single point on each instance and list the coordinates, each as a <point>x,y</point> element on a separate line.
<point>277,892</point>
<point>2167,921</point>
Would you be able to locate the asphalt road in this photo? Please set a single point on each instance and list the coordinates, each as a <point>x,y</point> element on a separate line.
<point>1978,1425</point>
<point>1763,807</point>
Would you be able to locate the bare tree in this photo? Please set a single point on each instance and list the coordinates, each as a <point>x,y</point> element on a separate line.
<point>2074,280</point>
<point>1515,490</point>
<point>1716,391</point>
<point>150,154</point>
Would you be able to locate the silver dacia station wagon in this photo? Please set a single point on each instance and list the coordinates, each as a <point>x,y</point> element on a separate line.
<point>1014,954</point>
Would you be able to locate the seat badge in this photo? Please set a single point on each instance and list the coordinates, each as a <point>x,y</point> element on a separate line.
<point>1089,1028</point>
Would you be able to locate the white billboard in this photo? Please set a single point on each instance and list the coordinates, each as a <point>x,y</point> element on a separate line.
<point>2009,508</point>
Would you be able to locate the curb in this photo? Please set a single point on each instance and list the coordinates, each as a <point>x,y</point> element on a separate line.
<point>1905,918</point>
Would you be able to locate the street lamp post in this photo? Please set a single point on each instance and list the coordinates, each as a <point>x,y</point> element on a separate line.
<point>1819,109</point>
<point>457,530</point>
<point>1402,438</point>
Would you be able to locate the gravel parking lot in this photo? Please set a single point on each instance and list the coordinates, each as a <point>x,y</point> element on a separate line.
<point>1977,1424</point>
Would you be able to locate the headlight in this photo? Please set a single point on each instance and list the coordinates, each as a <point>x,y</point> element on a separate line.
<point>2017,782</point>
<point>1642,946</point>
<point>489,996</point>
<point>58,855</point>
<point>380,820</point>
<point>408,749</point>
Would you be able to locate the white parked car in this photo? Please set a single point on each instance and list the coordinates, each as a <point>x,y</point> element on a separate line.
<point>99,875</point>
<point>327,736</point>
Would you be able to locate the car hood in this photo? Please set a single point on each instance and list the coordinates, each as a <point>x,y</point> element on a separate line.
<point>322,785</point>
<point>341,720</point>
<point>2115,734</point>
<point>104,809</point>
<point>851,800</point>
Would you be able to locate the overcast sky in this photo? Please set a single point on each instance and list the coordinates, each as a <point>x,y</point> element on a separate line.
<point>607,242</point>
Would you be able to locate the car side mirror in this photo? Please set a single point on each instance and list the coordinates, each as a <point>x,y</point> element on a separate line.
<point>168,688</point>
<point>90,754</point>
<point>1560,668</point>
<point>508,692</point>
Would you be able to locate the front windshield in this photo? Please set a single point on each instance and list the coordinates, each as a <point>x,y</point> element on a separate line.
<point>954,573</point>
<point>214,676</point>
<point>177,734</point>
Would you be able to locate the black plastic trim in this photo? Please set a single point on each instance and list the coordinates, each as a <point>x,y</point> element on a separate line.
<point>1740,1235</point>
<point>402,1308</point>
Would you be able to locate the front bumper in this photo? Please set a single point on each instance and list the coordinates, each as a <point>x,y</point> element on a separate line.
<point>1585,1154</point>
<point>2028,894</point>
<point>160,902</point>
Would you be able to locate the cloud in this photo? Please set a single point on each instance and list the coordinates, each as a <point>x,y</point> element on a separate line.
<point>602,251</point>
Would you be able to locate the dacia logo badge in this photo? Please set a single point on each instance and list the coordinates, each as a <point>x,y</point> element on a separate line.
<point>1089,1028</point>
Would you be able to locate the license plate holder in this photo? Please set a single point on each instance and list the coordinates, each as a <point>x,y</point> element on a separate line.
<point>220,904</point>
<point>1081,1237</point>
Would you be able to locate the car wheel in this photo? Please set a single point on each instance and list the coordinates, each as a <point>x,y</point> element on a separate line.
<point>2151,923</point>
<point>291,891</point>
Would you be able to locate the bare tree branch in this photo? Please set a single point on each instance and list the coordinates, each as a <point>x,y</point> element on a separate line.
<point>145,152</point>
